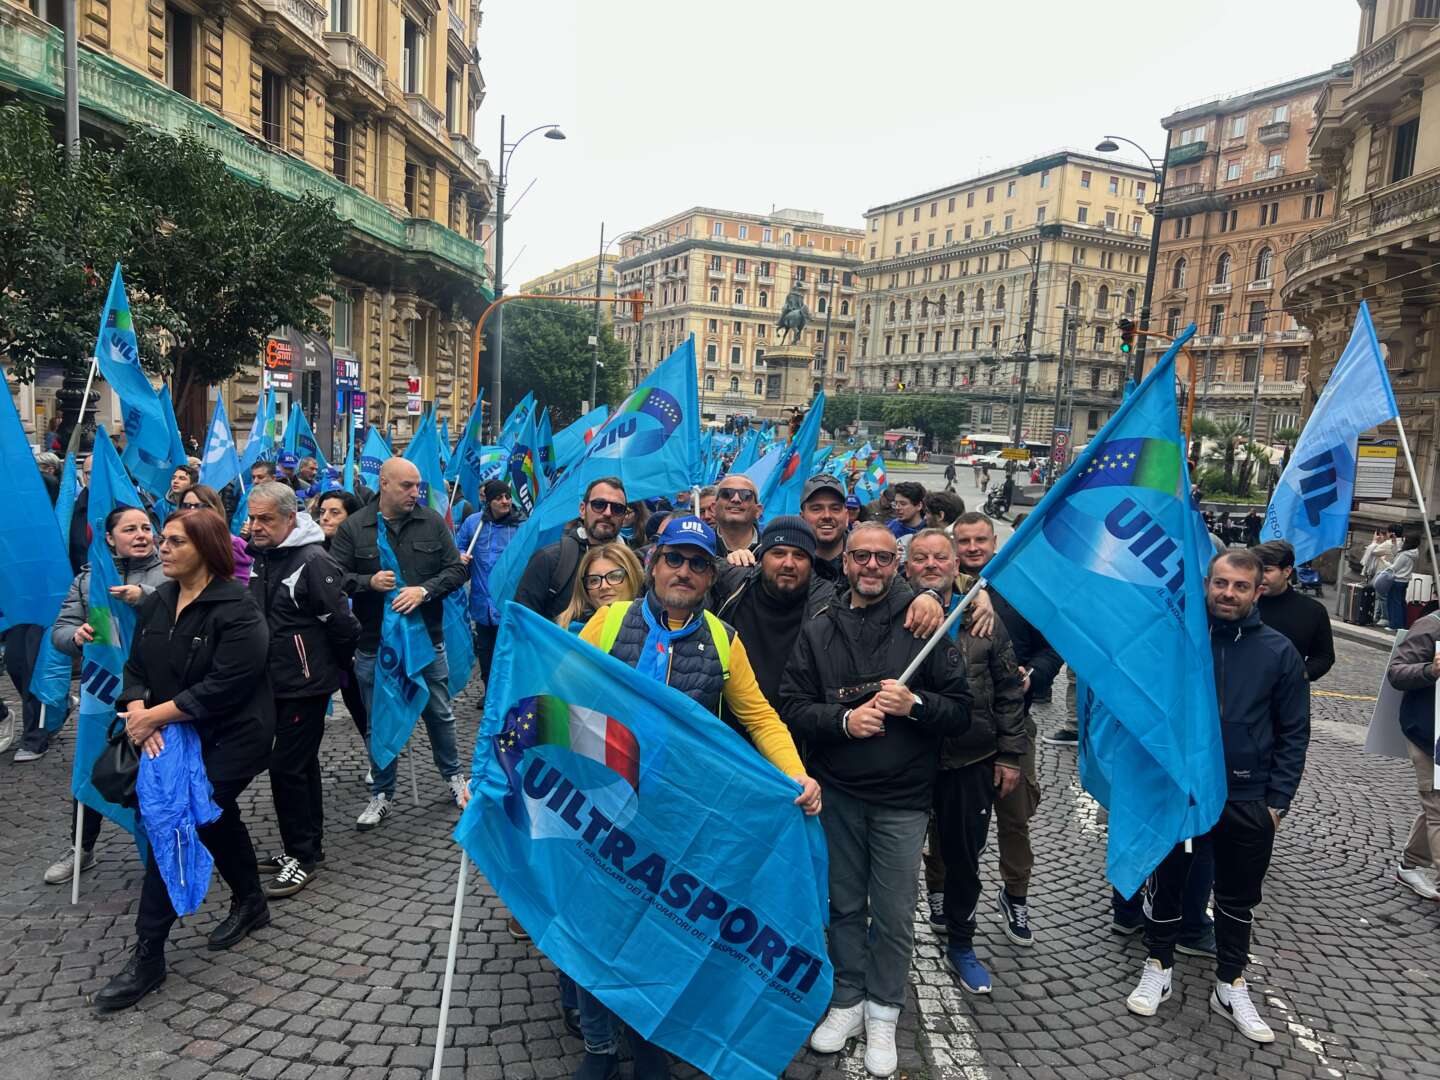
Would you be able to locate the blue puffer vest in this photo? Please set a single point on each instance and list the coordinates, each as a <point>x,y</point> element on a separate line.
<point>695,668</point>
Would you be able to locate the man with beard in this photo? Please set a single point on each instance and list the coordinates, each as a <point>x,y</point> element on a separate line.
<point>668,636</point>
<point>876,742</point>
<point>737,509</point>
<point>822,505</point>
<point>549,577</point>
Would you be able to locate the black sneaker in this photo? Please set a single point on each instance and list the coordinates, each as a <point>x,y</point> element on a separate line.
<point>1065,736</point>
<point>290,879</point>
<point>1126,925</point>
<point>935,901</point>
<point>245,915</point>
<point>271,865</point>
<point>1017,918</point>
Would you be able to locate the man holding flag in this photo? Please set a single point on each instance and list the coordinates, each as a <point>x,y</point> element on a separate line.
<point>431,569</point>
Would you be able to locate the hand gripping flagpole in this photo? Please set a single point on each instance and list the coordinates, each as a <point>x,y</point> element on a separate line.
<point>443,1021</point>
<point>909,672</point>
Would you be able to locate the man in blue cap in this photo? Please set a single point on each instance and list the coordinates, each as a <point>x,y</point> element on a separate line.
<point>286,464</point>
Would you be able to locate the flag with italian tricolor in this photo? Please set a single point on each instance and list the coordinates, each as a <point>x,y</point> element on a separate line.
<point>546,720</point>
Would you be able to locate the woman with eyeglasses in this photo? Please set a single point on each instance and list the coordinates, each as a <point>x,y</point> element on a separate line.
<point>199,657</point>
<point>606,574</point>
<point>131,539</point>
<point>203,496</point>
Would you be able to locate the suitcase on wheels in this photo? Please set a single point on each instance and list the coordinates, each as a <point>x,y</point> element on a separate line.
<point>1359,604</point>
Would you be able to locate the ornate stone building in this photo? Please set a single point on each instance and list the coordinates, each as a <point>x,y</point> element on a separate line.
<point>723,276</point>
<point>948,276</point>
<point>1376,142</point>
<point>371,105</point>
<point>1239,195</point>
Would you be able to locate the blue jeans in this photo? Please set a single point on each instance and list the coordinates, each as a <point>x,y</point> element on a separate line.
<point>439,720</point>
<point>1395,605</point>
<point>1196,896</point>
<point>599,1027</point>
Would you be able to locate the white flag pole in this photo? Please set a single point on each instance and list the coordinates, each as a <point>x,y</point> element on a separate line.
<point>75,871</point>
<point>909,672</point>
<point>448,984</point>
<point>414,783</point>
<point>470,547</point>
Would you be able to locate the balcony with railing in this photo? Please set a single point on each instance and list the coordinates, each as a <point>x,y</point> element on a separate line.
<point>348,53</point>
<point>1269,173</point>
<point>456,19</point>
<point>1374,217</point>
<point>1380,80</point>
<point>305,18</point>
<point>469,153</point>
<point>427,115</point>
<point>1277,132</point>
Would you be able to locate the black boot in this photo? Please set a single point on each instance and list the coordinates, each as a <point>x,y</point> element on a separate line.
<point>250,913</point>
<point>598,1067</point>
<point>651,1063</point>
<point>143,972</point>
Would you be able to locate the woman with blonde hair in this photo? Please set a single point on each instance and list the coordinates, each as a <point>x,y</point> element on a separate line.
<point>606,573</point>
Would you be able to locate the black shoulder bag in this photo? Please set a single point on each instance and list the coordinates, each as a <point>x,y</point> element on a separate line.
<point>117,767</point>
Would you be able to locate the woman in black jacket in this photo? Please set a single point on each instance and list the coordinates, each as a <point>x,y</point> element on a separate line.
<point>199,657</point>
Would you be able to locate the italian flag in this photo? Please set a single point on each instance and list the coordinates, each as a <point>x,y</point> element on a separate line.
<point>589,733</point>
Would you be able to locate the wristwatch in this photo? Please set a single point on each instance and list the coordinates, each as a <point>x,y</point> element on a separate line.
<point>919,704</point>
<point>426,592</point>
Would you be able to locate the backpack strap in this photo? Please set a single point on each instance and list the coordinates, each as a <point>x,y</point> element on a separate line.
<point>610,630</point>
<point>721,639</point>
<point>565,566</point>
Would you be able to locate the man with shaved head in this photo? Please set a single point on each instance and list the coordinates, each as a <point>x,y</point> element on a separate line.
<point>430,568</point>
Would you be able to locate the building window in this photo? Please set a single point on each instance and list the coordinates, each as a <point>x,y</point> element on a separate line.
<point>1040,215</point>
<point>1102,298</point>
<point>413,58</point>
<point>744,232</point>
<point>974,337</point>
<point>717,228</point>
<point>1237,127</point>
<point>739,296</point>
<point>764,298</point>
<point>1114,185</point>
<point>1092,419</point>
<point>1407,135</point>
<point>1263,264</point>
<point>1000,298</point>
<point>1172,321</point>
<point>889,344</point>
<point>710,357</point>
<point>1222,269</point>
<point>1085,178</point>
<point>1010,184</point>
<point>340,11</point>
<point>179,52</point>
<point>1074,294</point>
<point>1251,367</point>
<point>1217,319</point>
<point>1099,344</point>
<point>990,194</point>
<point>1129,301</point>
<point>714,294</point>
<point>1232,170</point>
<point>272,106</point>
<point>734,355</point>
<point>969,200</point>
<point>1255,324</point>
<point>1177,274</point>
<point>979,299</point>
<point>341,322</point>
<point>915,213</point>
<point>340,154</point>
<point>1082,214</point>
<point>1292,365</point>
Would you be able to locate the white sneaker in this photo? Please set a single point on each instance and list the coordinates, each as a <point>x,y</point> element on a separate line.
<point>880,1021</point>
<point>1419,880</point>
<point>459,789</point>
<point>374,812</point>
<point>61,871</point>
<point>1232,1001</point>
<point>1153,991</point>
<point>838,1027</point>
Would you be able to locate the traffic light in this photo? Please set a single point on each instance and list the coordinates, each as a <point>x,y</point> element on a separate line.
<point>899,386</point>
<point>637,306</point>
<point>1127,336</point>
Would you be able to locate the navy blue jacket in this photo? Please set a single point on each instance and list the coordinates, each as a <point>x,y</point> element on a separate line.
<point>1264,709</point>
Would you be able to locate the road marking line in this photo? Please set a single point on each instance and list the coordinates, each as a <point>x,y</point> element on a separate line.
<point>1345,697</point>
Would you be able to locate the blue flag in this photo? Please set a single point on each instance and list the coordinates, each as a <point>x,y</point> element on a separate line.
<point>1117,534</point>
<point>545,446</point>
<point>401,692</point>
<point>117,352</point>
<point>516,420</point>
<point>445,443</point>
<point>1311,504</point>
<point>372,456</point>
<point>347,475</point>
<point>761,473</point>
<point>781,495</point>
<point>299,439</point>
<point>526,476</point>
<point>651,443</point>
<point>65,500</point>
<point>220,463</point>
<point>261,444</point>
<point>153,474</point>
<point>474,463</point>
<point>110,484</point>
<point>749,451</point>
<point>651,854</point>
<point>572,439</point>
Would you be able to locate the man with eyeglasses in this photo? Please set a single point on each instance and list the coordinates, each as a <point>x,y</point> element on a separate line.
<point>737,509</point>
<point>549,577</point>
<point>669,636</point>
<point>874,744</point>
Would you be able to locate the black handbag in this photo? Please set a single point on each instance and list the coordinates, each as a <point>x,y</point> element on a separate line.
<point>117,767</point>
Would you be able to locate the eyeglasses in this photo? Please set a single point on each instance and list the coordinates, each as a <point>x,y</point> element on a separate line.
<point>171,541</point>
<point>881,558</point>
<point>699,564</point>
<point>743,495</point>
<point>610,577</point>
<point>604,506</point>
<point>190,506</point>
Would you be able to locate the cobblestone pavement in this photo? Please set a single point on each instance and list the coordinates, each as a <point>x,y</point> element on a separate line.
<point>345,984</point>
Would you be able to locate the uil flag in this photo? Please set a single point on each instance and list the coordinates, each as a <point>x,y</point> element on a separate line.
<point>749,451</point>
<point>781,495</point>
<point>1311,504</point>
<point>1117,534</point>
<point>372,456</point>
<point>545,445</point>
<point>117,352</point>
<point>651,443</point>
<point>424,453</point>
<point>221,464</point>
<point>401,692</point>
<point>261,443</point>
<point>153,474</point>
<point>652,855</point>
<point>873,482</point>
<point>527,476</point>
<point>522,412</point>
<point>571,440</point>
<point>299,439</point>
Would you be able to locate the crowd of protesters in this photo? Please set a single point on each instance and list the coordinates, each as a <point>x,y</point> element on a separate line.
<point>246,639</point>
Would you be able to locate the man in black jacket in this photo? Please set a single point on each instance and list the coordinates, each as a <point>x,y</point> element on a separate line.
<point>430,569</point>
<point>1265,704</point>
<point>312,640</point>
<point>1302,619</point>
<point>549,577</point>
<point>874,745</point>
<point>822,505</point>
<point>975,544</point>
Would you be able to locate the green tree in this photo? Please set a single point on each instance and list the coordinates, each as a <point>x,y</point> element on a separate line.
<point>1229,433</point>
<point>1286,437</point>
<point>212,264</point>
<point>942,417</point>
<point>547,351</point>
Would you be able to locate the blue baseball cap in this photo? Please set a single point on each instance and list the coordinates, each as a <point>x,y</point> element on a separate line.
<point>288,460</point>
<point>852,502</point>
<point>687,531</point>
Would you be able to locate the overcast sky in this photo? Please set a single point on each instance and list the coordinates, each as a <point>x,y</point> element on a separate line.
<point>841,105</point>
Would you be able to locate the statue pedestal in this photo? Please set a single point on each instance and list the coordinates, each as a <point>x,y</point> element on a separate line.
<point>789,380</point>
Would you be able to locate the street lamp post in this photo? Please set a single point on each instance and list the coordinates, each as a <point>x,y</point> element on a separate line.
<point>599,292</point>
<point>1109,145</point>
<point>1034,261</point>
<point>552,131</point>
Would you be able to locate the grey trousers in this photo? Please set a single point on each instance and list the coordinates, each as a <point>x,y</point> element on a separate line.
<point>874,883</point>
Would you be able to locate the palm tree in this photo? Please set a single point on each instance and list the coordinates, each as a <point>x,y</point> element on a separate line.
<point>1229,432</point>
<point>1201,428</point>
<point>1257,456</point>
<point>1286,437</point>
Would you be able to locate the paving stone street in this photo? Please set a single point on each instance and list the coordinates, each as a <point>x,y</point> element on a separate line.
<point>345,984</point>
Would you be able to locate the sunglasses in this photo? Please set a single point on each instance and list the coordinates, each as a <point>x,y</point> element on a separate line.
<point>699,564</point>
<point>880,558</point>
<point>602,506</point>
<point>190,506</point>
<point>610,577</point>
<point>743,495</point>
